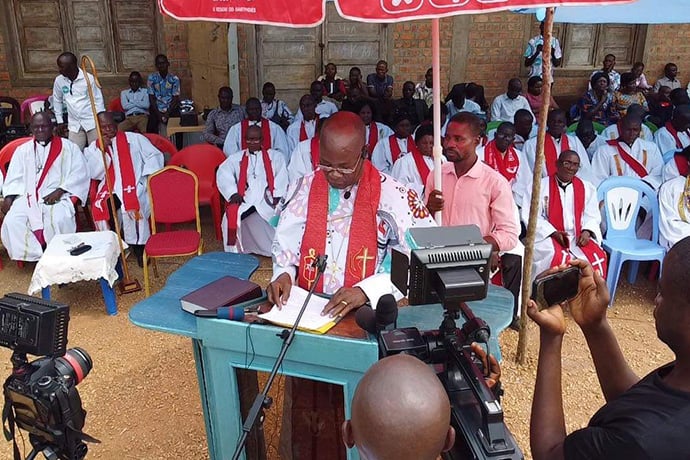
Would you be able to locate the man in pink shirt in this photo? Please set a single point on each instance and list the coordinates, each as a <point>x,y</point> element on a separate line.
<point>476,194</point>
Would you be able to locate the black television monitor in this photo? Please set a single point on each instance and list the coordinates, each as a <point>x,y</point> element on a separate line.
<point>447,265</point>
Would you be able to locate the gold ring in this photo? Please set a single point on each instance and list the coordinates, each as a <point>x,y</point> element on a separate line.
<point>342,301</point>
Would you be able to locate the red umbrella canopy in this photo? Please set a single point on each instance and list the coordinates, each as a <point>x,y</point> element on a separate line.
<point>308,13</point>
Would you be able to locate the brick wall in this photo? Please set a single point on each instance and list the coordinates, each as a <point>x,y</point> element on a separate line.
<point>668,43</point>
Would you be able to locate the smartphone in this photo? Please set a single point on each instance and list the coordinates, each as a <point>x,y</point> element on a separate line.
<point>556,288</point>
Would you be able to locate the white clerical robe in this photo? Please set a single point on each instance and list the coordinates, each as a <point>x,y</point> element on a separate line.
<point>406,172</point>
<point>293,132</point>
<point>608,162</point>
<point>670,171</point>
<point>666,142</point>
<point>146,159</point>
<point>399,209</point>
<point>673,226</point>
<point>611,133</point>
<point>28,212</point>
<point>382,158</point>
<point>300,161</point>
<point>530,152</point>
<point>594,145</point>
<point>521,185</point>
<point>383,130</point>
<point>233,141</point>
<point>591,219</point>
<point>254,232</point>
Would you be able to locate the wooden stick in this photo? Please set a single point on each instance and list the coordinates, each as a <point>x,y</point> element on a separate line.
<point>536,185</point>
<point>128,284</point>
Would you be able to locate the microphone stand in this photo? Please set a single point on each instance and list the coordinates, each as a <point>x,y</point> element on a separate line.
<point>263,401</point>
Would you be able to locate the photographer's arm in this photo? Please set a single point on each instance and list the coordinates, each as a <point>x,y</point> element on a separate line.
<point>589,312</point>
<point>547,422</point>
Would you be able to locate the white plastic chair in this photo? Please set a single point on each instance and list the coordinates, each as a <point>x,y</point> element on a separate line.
<point>622,197</point>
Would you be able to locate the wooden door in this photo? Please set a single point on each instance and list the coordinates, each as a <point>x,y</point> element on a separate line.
<point>208,62</point>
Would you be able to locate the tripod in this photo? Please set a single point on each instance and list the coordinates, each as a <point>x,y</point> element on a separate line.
<point>49,450</point>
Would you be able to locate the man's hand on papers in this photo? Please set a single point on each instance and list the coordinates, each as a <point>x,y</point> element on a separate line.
<point>279,290</point>
<point>343,301</point>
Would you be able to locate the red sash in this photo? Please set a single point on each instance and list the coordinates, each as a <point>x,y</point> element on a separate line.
<point>507,166</point>
<point>53,154</point>
<point>130,201</point>
<point>303,136</point>
<point>395,147</point>
<point>669,127</point>
<point>681,164</point>
<point>362,245</point>
<point>314,150</point>
<point>550,153</point>
<point>636,166</point>
<point>422,168</point>
<point>593,252</point>
<point>265,133</point>
<point>232,209</point>
<point>373,136</point>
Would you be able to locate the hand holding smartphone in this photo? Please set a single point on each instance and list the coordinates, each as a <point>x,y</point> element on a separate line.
<point>556,288</point>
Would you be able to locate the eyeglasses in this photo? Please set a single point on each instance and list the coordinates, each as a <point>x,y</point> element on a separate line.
<point>341,171</point>
<point>570,165</point>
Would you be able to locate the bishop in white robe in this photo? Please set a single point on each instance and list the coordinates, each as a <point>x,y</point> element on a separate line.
<point>272,134</point>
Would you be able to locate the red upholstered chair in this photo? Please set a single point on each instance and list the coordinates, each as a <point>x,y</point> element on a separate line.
<point>204,160</point>
<point>115,105</point>
<point>174,197</point>
<point>162,144</point>
<point>5,156</point>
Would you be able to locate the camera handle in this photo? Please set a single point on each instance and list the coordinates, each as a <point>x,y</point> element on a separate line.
<point>263,401</point>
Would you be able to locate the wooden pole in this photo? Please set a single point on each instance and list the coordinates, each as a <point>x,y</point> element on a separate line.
<point>436,94</point>
<point>536,183</point>
<point>128,285</point>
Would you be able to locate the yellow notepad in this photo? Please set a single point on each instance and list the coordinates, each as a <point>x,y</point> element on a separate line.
<point>311,321</point>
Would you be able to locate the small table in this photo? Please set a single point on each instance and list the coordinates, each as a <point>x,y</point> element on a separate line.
<point>341,357</point>
<point>173,127</point>
<point>101,262</point>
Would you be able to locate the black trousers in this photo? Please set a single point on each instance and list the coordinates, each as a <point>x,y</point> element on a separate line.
<point>511,271</point>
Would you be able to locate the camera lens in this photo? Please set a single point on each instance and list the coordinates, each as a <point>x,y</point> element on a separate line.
<point>76,363</point>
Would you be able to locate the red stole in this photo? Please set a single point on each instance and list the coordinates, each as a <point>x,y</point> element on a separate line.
<point>636,166</point>
<point>265,133</point>
<point>395,147</point>
<point>53,154</point>
<point>303,136</point>
<point>130,201</point>
<point>507,166</point>
<point>421,165</point>
<point>681,164</point>
<point>362,245</point>
<point>593,252</point>
<point>314,150</point>
<point>373,136</point>
<point>232,209</point>
<point>669,127</point>
<point>550,153</point>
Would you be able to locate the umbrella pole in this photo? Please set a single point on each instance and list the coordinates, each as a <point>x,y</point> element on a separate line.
<point>536,185</point>
<point>436,94</point>
<point>128,284</point>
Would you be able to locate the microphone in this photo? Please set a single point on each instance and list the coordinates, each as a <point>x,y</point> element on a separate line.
<point>229,313</point>
<point>374,321</point>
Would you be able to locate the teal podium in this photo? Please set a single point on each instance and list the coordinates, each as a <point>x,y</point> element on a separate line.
<point>220,346</point>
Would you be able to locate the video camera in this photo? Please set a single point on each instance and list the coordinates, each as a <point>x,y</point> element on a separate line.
<point>450,265</point>
<point>41,396</point>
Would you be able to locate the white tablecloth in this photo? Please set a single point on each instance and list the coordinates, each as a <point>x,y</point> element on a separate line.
<point>57,266</point>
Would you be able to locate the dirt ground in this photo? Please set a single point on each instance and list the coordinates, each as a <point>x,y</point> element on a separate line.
<point>142,396</point>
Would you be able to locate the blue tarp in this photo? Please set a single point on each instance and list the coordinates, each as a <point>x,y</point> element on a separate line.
<point>639,12</point>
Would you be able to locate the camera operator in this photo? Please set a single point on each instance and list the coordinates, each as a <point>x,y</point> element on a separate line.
<point>401,410</point>
<point>647,418</point>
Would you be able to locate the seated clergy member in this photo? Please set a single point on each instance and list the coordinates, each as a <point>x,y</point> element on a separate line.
<point>674,211</point>
<point>252,181</point>
<point>503,157</point>
<point>556,142</point>
<point>304,128</point>
<point>504,106</point>
<point>678,166</point>
<point>389,149</point>
<point>675,134</point>
<point>45,178</point>
<point>323,108</point>
<point>524,128</point>
<point>568,219</point>
<point>305,157</point>
<point>220,120</point>
<point>474,193</point>
<point>131,159</point>
<point>320,214</point>
<point>591,141</point>
<point>611,131</point>
<point>272,135</point>
<point>413,169</point>
<point>375,130</point>
<point>628,156</point>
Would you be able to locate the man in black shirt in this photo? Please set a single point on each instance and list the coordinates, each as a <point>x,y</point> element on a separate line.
<point>642,419</point>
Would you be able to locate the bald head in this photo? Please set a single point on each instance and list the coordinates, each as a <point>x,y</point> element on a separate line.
<point>342,145</point>
<point>400,411</point>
